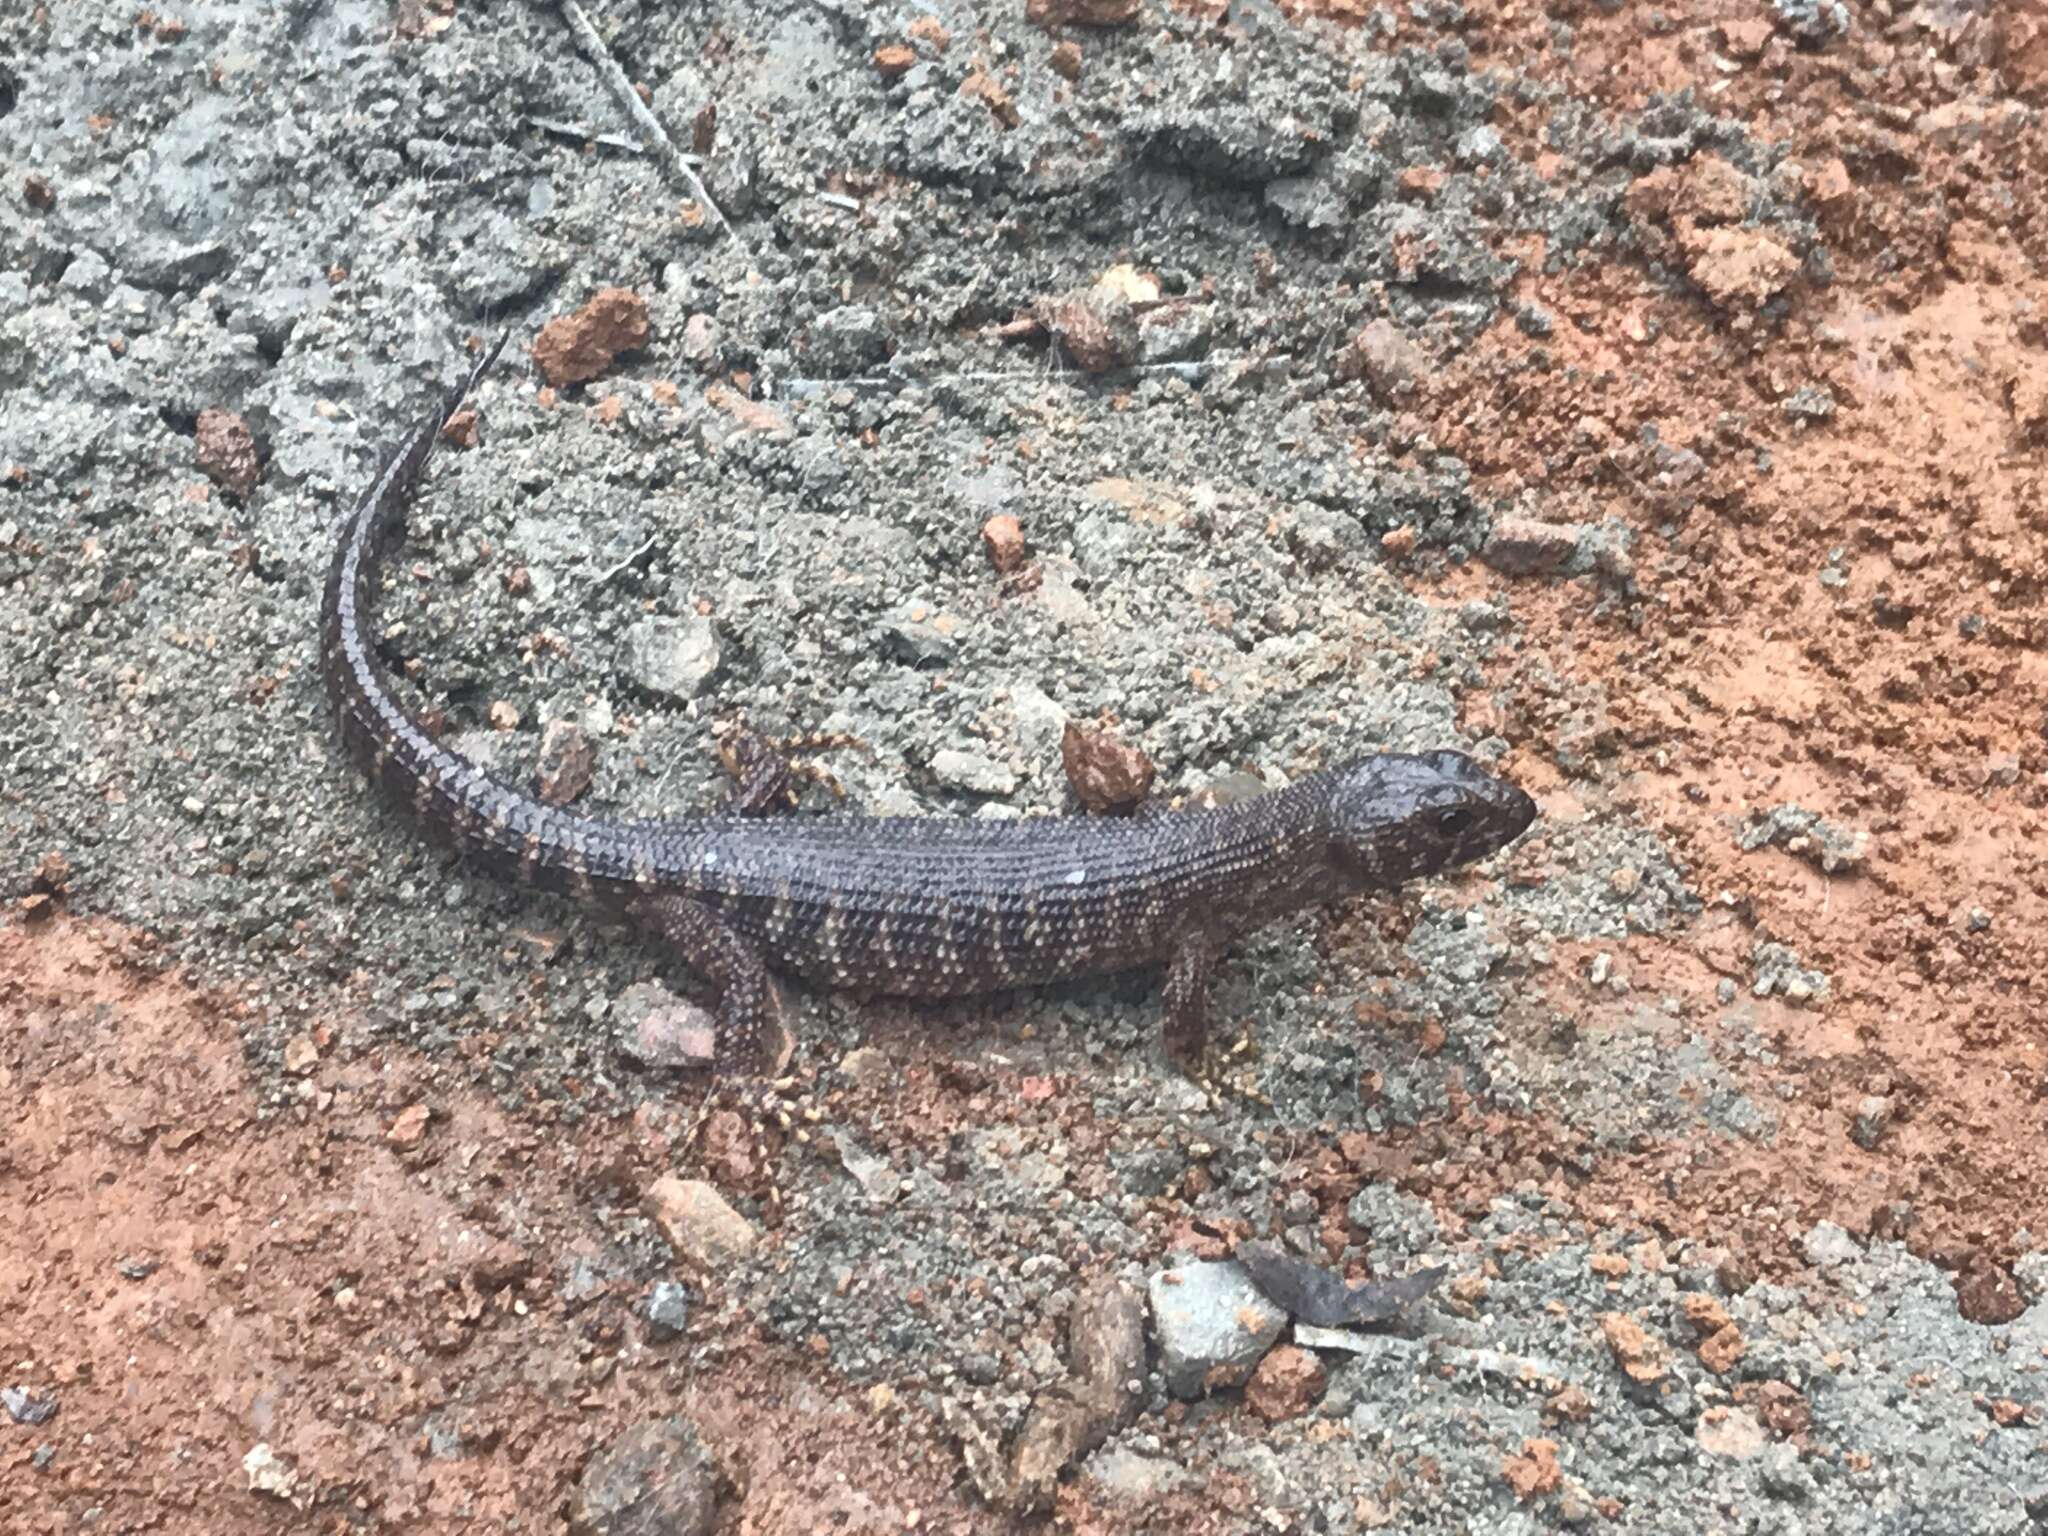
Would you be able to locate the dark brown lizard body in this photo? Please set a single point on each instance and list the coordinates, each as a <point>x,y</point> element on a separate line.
<point>912,906</point>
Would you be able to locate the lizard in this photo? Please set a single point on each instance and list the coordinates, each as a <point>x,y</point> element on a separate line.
<point>917,906</point>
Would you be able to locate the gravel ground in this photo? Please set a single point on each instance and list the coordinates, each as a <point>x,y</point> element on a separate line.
<point>294,215</point>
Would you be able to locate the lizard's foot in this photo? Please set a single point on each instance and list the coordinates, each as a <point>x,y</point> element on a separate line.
<point>1229,1069</point>
<point>743,1125</point>
<point>732,1135</point>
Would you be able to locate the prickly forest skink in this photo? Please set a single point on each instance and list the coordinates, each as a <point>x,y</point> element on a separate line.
<point>922,907</point>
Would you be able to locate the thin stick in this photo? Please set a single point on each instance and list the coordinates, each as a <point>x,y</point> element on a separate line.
<point>581,135</point>
<point>592,47</point>
<point>629,560</point>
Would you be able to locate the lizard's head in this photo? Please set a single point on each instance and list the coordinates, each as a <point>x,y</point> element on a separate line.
<point>1397,816</point>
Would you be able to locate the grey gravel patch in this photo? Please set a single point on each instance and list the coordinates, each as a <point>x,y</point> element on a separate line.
<point>1537,1334</point>
<point>1607,879</point>
<point>1654,1077</point>
<point>1830,847</point>
<point>2031,1271</point>
<point>1776,970</point>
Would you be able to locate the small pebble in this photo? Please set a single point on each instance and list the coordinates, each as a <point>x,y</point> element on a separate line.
<point>1105,774</point>
<point>1004,537</point>
<point>576,347</point>
<point>698,1222</point>
<point>410,1128</point>
<point>972,772</point>
<point>668,1309</point>
<point>1873,1117</point>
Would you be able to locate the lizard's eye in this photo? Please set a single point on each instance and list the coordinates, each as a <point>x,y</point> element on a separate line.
<point>1454,823</point>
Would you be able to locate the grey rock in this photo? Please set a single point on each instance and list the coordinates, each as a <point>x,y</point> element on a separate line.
<point>671,658</point>
<point>980,1367</point>
<point>1811,402</point>
<point>268,1473</point>
<point>1480,145</point>
<point>1134,1476</point>
<point>27,1407</point>
<point>846,340</point>
<point>1813,22</point>
<point>1829,1246</point>
<point>876,1178</point>
<point>910,635</point>
<point>444,1437</point>
<point>584,1279</point>
<point>1212,1323</point>
<point>667,1309</point>
<point>655,1028</point>
<point>1176,332</point>
<point>701,338</point>
<point>1873,1117</point>
<point>972,772</point>
<point>1525,546</point>
<point>1783,1475</point>
<point>656,1479</point>
<point>1040,725</point>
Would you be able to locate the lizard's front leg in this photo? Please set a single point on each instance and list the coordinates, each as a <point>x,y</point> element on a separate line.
<point>1188,974</point>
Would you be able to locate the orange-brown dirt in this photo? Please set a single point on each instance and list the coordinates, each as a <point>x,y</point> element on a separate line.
<point>313,1281</point>
<point>1910,702</point>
